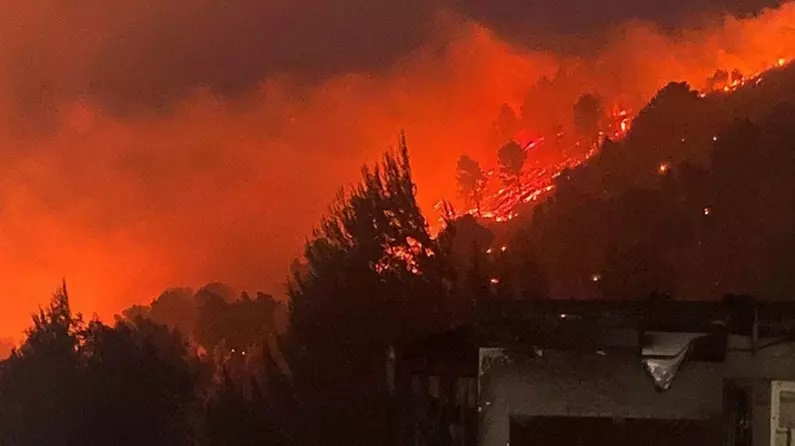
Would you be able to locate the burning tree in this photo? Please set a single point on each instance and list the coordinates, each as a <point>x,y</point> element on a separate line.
<point>718,80</point>
<point>471,180</point>
<point>512,158</point>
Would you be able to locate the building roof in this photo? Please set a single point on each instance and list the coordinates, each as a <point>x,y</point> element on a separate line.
<point>602,324</point>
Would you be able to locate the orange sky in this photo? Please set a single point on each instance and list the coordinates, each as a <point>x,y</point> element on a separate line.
<point>218,189</point>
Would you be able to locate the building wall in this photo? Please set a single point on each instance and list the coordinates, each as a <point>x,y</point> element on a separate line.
<point>775,363</point>
<point>614,384</point>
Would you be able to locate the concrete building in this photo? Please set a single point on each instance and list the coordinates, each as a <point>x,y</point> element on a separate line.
<point>599,373</point>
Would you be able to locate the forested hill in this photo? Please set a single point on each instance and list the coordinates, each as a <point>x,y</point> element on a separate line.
<point>696,202</point>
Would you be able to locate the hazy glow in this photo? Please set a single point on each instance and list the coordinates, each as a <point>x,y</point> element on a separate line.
<point>215,190</point>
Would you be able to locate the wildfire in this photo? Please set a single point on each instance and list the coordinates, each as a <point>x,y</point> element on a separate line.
<point>536,182</point>
<point>403,255</point>
<point>620,123</point>
<point>721,82</point>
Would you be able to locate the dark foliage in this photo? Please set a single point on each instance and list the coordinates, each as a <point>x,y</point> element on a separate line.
<point>587,115</point>
<point>697,202</point>
<point>375,277</point>
<point>72,383</point>
<point>471,180</point>
<point>511,158</point>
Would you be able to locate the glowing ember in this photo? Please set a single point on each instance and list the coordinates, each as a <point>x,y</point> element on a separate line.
<point>403,256</point>
<point>663,168</point>
<point>494,281</point>
<point>595,278</point>
<point>781,62</point>
<point>707,210</point>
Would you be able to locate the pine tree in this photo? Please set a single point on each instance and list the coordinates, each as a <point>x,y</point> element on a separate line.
<point>471,181</point>
<point>512,158</point>
<point>375,277</point>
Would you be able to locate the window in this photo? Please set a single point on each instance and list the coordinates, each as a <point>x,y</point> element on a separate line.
<point>782,413</point>
<point>786,410</point>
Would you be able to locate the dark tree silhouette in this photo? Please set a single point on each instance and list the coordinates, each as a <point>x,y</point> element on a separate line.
<point>522,269</point>
<point>260,418</point>
<point>77,384</point>
<point>142,386</point>
<point>507,123</point>
<point>511,158</point>
<point>468,237</point>
<point>230,330</point>
<point>135,311</point>
<point>176,308</point>
<point>471,181</point>
<point>375,236</point>
<point>375,277</point>
<point>41,383</point>
<point>587,114</point>
<point>212,325</point>
<point>466,241</point>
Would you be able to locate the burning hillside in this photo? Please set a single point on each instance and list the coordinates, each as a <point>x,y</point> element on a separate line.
<point>502,203</point>
<point>695,202</point>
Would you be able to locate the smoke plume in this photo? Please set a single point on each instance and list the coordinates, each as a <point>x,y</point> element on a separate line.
<point>145,145</point>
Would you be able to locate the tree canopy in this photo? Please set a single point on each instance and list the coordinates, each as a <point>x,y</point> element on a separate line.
<point>375,276</point>
<point>471,180</point>
<point>511,158</point>
<point>72,383</point>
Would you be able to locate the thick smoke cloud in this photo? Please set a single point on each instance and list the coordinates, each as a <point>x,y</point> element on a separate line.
<point>128,54</point>
<point>145,145</point>
<point>224,191</point>
<point>547,24</point>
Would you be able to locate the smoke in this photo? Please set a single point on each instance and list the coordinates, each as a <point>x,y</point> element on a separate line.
<point>127,55</point>
<point>150,145</point>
